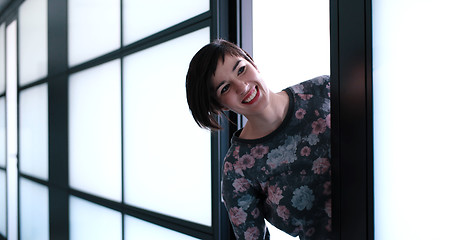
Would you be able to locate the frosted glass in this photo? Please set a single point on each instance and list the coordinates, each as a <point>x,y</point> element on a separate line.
<point>33,131</point>
<point>2,132</point>
<point>413,49</point>
<point>32,41</point>
<point>143,18</point>
<point>167,156</point>
<point>136,229</point>
<point>93,29</point>
<point>294,44</point>
<point>2,202</point>
<point>89,221</point>
<point>2,59</point>
<point>94,131</point>
<point>34,210</point>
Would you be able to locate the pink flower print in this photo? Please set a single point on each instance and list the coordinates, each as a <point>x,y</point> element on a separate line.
<point>327,188</point>
<point>258,152</point>
<point>319,126</point>
<point>227,167</point>
<point>316,112</point>
<point>328,121</point>
<point>328,208</point>
<point>321,165</point>
<point>246,161</point>
<point>305,96</point>
<point>237,215</point>
<point>305,151</point>
<point>299,114</point>
<point>283,212</point>
<point>252,233</point>
<point>240,185</point>
<point>274,194</point>
<point>256,213</point>
<point>236,151</point>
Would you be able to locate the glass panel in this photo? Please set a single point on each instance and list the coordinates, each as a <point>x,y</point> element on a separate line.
<point>164,149</point>
<point>2,132</point>
<point>33,131</point>
<point>34,210</point>
<point>2,59</point>
<point>32,41</point>
<point>136,229</point>
<point>413,118</point>
<point>11,130</point>
<point>296,38</point>
<point>94,131</point>
<point>92,221</point>
<point>2,202</point>
<point>93,28</point>
<point>143,18</point>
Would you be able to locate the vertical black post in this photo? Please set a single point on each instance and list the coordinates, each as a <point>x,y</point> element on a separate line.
<point>58,120</point>
<point>351,119</point>
<point>224,23</point>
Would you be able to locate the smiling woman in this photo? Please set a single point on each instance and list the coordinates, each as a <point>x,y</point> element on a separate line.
<point>278,166</point>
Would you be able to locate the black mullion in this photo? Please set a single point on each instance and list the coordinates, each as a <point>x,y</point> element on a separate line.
<point>18,130</point>
<point>350,73</point>
<point>224,25</point>
<point>10,12</point>
<point>58,119</point>
<point>334,111</point>
<point>369,117</point>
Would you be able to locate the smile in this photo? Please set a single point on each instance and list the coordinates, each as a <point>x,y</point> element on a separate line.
<point>251,96</point>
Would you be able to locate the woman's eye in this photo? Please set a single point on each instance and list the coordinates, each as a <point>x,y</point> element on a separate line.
<point>241,70</point>
<point>225,88</point>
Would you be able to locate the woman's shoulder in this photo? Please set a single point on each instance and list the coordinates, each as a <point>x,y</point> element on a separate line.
<point>309,86</point>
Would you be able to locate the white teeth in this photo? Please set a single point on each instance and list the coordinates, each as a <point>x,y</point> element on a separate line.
<point>253,94</point>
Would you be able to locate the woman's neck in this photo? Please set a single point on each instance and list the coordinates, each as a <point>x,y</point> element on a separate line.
<point>269,120</point>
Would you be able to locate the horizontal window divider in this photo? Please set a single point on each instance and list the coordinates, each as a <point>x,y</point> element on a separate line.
<point>32,84</point>
<point>176,224</point>
<point>3,94</point>
<point>178,30</point>
<point>34,179</point>
<point>3,168</point>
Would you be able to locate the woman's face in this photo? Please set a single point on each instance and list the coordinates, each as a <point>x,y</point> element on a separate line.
<point>239,86</point>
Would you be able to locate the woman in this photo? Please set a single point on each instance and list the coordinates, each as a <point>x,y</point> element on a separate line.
<point>278,166</point>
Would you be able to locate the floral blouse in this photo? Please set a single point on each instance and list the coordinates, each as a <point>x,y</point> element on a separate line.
<point>284,177</point>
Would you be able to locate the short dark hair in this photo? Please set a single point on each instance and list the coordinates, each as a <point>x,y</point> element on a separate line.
<point>200,94</point>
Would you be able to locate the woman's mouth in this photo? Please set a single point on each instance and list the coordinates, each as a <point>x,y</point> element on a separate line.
<point>251,97</point>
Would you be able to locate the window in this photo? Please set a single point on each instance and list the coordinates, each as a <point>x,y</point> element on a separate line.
<point>413,118</point>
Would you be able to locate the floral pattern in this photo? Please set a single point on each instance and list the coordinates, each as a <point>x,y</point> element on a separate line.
<point>284,177</point>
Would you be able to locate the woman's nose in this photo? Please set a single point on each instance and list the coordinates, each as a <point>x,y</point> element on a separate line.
<point>241,86</point>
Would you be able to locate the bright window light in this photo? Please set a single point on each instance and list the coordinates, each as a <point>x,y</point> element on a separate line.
<point>413,59</point>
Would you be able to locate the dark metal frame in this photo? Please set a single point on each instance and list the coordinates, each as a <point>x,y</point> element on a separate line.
<point>352,150</point>
<point>352,135</point>
<point>58,72</point>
